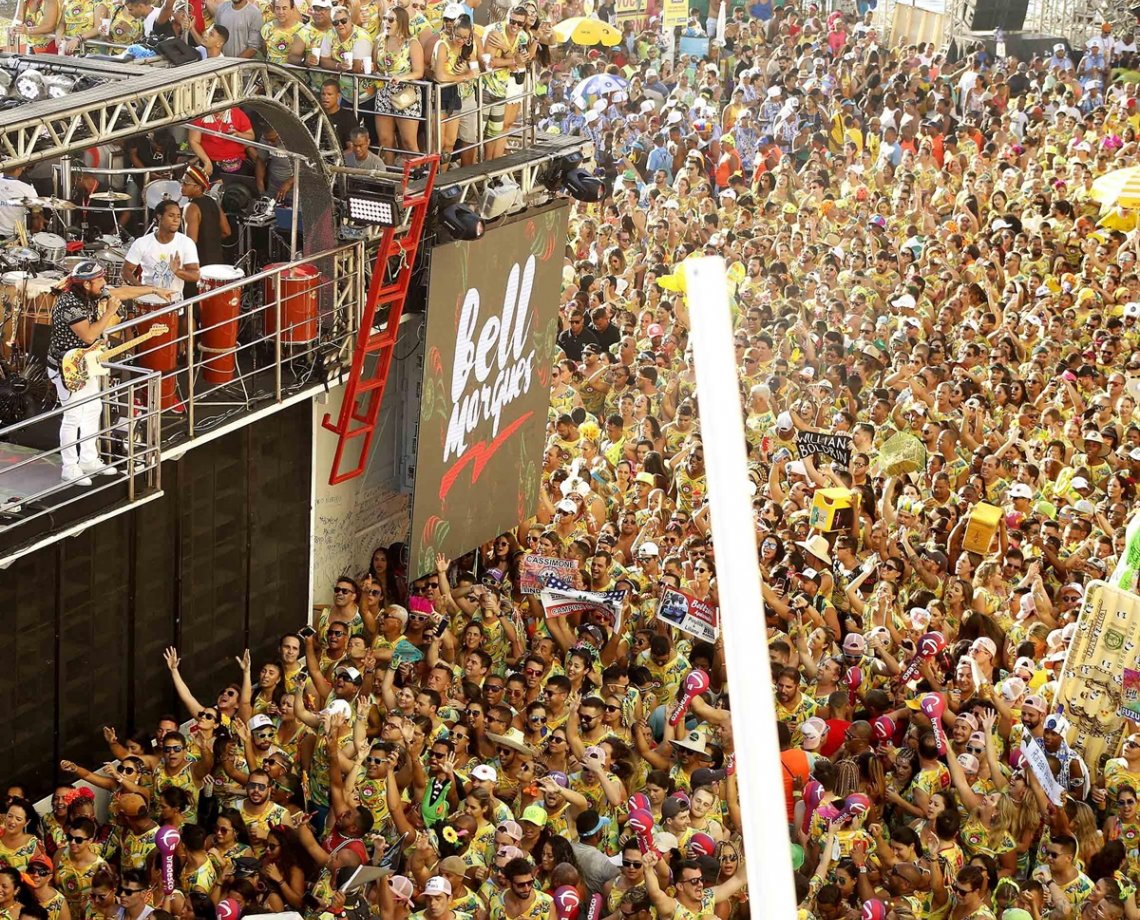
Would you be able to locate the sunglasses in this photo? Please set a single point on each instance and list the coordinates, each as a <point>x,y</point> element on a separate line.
<point>630,864</point>
<point>207,716</point>
<point>339,589</point>
<point>77,840</point>
<point>172,748</point>
<point>123,891</point>
<point>39,871</point>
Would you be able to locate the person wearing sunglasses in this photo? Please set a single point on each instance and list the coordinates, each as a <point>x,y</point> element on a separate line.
<point>691,897</point>
<point>508,50</point>
<point>77,863</point>
<point>176,769</point>
<point>346,49</point>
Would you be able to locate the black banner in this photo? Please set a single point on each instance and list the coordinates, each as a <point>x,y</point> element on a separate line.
<point>835,446</point>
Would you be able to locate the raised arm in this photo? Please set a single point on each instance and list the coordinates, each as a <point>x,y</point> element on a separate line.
<point>245,700</point>
<point>184,693</point>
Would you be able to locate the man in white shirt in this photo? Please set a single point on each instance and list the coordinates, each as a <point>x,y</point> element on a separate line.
<point>165,258</point>
<point>12,188</point>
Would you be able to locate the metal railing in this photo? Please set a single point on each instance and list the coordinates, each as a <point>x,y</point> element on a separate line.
<point>128,441</point>
<point>237,346</point>
<point>250,340</point>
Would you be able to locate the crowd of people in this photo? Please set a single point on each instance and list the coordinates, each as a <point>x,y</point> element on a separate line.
<point>916,258</point>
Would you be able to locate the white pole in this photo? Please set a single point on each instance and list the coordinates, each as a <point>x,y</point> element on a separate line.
<point>759,779</point>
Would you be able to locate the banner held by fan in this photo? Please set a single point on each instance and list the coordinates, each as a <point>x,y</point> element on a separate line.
<point>562,600</point>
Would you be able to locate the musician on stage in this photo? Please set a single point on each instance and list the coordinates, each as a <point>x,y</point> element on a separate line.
<point>165,257</point>
<point>84,309</point>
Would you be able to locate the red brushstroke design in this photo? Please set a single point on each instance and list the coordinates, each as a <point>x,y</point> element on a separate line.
<point>481,455</point>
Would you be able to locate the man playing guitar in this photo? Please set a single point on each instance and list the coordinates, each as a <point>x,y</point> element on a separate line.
<point>84,309</point>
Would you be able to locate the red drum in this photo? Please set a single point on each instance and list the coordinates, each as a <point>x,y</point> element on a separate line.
<point>161,352</point>
<point>219,322</point>
<point>300,314</point>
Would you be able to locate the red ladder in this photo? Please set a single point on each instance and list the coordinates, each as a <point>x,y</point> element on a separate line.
<point>391,277</point>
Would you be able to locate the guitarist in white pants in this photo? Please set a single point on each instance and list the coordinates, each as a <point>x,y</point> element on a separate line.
<point>84,309</point>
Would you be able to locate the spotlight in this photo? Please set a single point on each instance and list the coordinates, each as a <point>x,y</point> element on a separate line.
<point>558,168</point>
<point>460,222</point>
<point>584,187</point>
<point>377,206</point>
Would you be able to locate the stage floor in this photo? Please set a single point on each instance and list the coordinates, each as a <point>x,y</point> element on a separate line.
<point>19,479</point>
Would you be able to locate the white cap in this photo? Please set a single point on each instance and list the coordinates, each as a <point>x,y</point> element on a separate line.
<point>453,11</point>
<point>1020,490</point>
<point>968,762</point>
<point>811,734</point>
<point>1132,309</point>
<point>338,707</point>
<point>261,720</point>
<point>647,106</point>
<point>485,772</point>
<point>904,302</point>
<point>437,884</point>
<point>773,91</point>
<point>648,548</point>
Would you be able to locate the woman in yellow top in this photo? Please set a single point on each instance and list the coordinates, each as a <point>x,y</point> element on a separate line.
<point>38,20</point>
<point>17,842</point>
<point>399,58</point>
<point>10,885</point>
<point>81,20</point>
<point>77,863</point>
<point>455,65</point>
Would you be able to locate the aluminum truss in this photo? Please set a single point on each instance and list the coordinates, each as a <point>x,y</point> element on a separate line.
<point>162,97</point>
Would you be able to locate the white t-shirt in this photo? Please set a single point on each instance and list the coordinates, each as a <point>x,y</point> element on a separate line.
<point>154,259</point>
<point>11,215</point>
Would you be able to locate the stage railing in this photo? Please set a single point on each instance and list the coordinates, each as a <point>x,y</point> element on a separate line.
<point>237,347</point>
<point>252,340</point>
<point>128,441</point>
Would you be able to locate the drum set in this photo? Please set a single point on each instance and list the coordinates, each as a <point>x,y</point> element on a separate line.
<point>30,266</point>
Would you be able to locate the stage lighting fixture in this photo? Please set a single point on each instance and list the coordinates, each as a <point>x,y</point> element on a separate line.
<point>377,206</point>
<point>458,220</point>
<point>558,168</point>
<point>501,197</point>
<point>584,187</point>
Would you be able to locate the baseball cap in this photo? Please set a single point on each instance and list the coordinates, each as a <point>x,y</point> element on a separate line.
<point>437,884</point>
<point>812,732</point>
<point>648,548</point>
<point>706,777</point>
<point>453,864</point>
<point>511,829</point>
<point>452,11</point>
<point>485,772</point>
<point>1036,703</point>
<point>986,643</point>
<point>1020,490</point>
<point>672,807</point>
<point>261,720</point>
<point>350,672</point>
<point>401,886</point>
<point>534,814</point>
<point>969,762</point>
<point>590,822</point>
<point>854,643</point>
<point>324,3</point>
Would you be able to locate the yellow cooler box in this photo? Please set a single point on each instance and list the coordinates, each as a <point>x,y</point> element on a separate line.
<point>981,527</point>
<point>833,509</point>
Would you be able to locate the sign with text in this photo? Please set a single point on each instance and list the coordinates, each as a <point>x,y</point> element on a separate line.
<point>1130,697</point>
<point>536,569</point>
<point>492,320</point>
<point>635,10</point>
<point>674,13</point>
<point>689,614</point>
<point>1093,678</point>
<point>559,599</point>
<point>835,446</point>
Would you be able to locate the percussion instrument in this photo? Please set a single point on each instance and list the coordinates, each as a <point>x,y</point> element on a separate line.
<point>67,263</point>
<point>299,308</point>
<point>112,262</point>
<point>162,353</point>
<point>219,321</point>
<point>27,300</point>
<point>50,246</point>
<point>162,190</point>
<point>110,196</point>
<point>113,240</point>
<point>22,258</point>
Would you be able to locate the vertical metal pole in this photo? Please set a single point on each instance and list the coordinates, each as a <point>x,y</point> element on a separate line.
<point>154,431</point>
<point>130,436</point>
<point>296,209</point>
<point>190,368</point>
<point>277,331</point>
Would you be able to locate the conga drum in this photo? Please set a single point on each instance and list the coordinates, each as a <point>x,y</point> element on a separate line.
<point>300,317</point>
<point>161,352</point>
<point>218,319</point>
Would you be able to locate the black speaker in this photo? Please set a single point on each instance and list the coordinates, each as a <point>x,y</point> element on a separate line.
<point>1008,14</point>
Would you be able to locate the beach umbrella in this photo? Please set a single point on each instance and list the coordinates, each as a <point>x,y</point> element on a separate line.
<point>1119,188</point>
<point>587,31</point>
<point>599,84</point>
